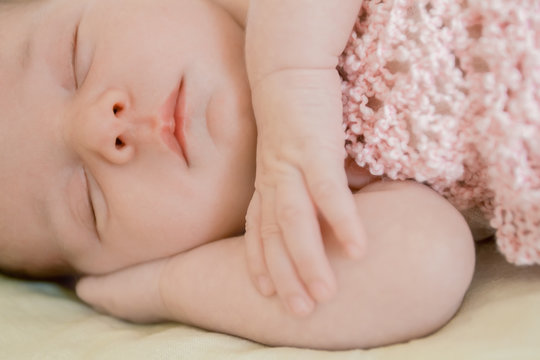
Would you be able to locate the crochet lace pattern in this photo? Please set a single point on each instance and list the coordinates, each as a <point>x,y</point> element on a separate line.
<point>447,92</point>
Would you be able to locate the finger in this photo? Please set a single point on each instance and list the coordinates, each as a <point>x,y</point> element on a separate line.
<point>132,294</point>
<point>254,250</point>
<point>302,236</point>
<point>288,286</point>
<point>327,183</point>
<point>284,276</point>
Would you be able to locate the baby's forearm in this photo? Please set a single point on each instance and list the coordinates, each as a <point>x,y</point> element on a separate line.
<point>210,287</point>
<point>418,266</point>
<point>283,34</point>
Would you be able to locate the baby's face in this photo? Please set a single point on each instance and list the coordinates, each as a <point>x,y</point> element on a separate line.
<point>126,130</point>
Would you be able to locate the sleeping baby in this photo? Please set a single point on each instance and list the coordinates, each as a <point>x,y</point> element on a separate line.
<point>188,155</point>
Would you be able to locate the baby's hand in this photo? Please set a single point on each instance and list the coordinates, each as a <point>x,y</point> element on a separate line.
<point>292,49</point>
<point>132,294</point>
<point>300,176</point>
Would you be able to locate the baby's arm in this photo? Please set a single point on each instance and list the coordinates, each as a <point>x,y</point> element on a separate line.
<point>420,265</point>
<point>292,49</point>
<point>301,34</point>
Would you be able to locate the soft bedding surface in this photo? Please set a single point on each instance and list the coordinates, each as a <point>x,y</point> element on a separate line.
<point>500,319</point>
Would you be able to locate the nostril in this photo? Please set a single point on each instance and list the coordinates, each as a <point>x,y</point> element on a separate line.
<point>119,143</point>
<point>117,108</point>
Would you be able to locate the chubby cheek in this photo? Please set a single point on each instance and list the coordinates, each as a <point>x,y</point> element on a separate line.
<point>125,245</point>
<point>149,227</point>
<point>147,224</point>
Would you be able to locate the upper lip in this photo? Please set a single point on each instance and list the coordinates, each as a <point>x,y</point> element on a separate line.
<point>173,115</point>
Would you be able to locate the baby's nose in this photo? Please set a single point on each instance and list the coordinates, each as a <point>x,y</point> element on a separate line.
<point>110,128</point>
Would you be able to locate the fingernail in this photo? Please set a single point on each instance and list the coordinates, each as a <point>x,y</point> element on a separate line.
<point>300,305</point>
<point>320,291</point>
<point>265,285</point>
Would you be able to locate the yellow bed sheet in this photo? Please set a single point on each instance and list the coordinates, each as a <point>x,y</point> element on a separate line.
<point>500,319</point>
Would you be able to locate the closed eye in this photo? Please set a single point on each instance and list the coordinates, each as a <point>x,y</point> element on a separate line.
<point>74,55</point>
<point>90,202</point>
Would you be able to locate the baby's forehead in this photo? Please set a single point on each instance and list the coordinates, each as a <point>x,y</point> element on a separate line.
<point>25,232</point>
<point>28,241</point>
<point>29,253</point>
<point>15,29</point>
<point>30,155</point>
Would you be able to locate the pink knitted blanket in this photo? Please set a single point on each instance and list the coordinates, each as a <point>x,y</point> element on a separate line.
<point>447,92</point>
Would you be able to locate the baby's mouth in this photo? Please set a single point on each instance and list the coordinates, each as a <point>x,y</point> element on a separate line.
<point>173,120</point>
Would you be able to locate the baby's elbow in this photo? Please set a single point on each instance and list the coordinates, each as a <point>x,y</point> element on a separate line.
<point>415,274</point>
<point>410,283</point>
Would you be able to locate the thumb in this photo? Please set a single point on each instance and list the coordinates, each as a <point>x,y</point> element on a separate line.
<point>131,294</point>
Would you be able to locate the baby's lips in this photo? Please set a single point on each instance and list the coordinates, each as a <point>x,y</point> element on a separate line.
<point>172,114</point>
<point>180,120</point>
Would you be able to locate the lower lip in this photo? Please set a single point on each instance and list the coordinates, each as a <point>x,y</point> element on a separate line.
<point>180,119</point>
<point>174,119</point>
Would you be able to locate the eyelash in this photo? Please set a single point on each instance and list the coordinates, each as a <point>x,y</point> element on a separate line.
<point>74,56</point>
<point>90,202</point>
